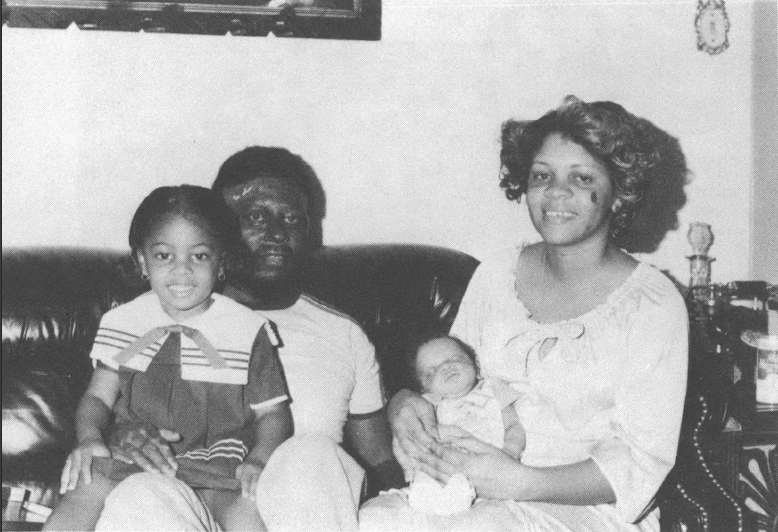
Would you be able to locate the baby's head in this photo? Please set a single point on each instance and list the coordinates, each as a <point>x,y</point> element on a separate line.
<point>179,237</point>
<point>445,367</point>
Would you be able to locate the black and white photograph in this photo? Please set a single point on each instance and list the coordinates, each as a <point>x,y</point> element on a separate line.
<point>390,265</point>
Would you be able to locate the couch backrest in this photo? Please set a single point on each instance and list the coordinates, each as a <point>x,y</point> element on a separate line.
<point>53,299</point>
<point>396,292</point>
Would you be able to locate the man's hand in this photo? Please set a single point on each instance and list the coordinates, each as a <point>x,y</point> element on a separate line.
<point>147,447</point>
<point>79,464</point>
<point>414,429</point>
<point>248,473</point>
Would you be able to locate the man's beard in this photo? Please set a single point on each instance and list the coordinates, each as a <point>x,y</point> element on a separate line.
<point>267,266</point>
<point>274,286</point>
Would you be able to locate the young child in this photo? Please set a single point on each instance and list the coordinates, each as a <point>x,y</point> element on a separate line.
<point>447,375</point>
<point>184,359</point>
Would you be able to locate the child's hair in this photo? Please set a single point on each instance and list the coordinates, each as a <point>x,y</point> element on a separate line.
<point>192,203</point>
<point>418,387</point>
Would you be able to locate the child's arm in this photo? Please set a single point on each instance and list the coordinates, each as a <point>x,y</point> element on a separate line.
<point>92,418</point>
<point>515,437</point>
<point>269,399</point>
<point>272,426</point>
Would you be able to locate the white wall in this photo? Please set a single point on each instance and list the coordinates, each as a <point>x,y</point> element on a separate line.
<point>764,115</point>
<point>402,132</point>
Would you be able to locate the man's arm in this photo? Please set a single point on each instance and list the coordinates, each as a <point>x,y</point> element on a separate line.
<point>370,438</point>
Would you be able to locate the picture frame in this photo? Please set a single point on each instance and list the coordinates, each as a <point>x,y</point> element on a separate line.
<point>326,19</point>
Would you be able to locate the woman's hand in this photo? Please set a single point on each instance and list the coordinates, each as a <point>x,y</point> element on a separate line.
<point>414,429</point>
<point>248,473</point>
<point>493,473</point>
<point>147,447</point>
<point>79,464</point>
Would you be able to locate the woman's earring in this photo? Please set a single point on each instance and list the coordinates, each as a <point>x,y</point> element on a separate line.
<point>221,275</point>
<point>144,277</point>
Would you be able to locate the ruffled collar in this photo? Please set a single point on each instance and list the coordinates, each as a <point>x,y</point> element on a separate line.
<point>613,299</point>
<point>568,331</point>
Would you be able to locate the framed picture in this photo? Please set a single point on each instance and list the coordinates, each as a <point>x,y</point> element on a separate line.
<point>326,19</point>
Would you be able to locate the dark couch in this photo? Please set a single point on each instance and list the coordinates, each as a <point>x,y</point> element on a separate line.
<point>53,299</point>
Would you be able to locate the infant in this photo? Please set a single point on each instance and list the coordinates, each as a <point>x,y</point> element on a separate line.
<point>447,374</point>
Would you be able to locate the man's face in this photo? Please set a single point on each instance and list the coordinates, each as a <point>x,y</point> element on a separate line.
<point>274,222</point>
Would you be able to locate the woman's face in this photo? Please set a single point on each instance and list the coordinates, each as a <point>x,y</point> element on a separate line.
<point>569,193</point>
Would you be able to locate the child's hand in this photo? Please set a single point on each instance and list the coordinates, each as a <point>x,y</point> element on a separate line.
<point>79,463</point>
<point>248,473</point>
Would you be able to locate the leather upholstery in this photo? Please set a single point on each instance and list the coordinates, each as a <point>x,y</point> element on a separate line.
<point>53,299</point>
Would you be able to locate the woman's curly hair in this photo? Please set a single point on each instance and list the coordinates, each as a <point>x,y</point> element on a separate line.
<point>646,165</point>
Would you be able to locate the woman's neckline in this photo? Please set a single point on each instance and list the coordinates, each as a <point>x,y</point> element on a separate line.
<point>612,298</point>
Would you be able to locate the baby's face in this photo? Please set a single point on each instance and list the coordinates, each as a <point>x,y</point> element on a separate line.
<point>444,369</point>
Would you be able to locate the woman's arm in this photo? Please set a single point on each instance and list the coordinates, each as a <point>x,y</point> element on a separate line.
<point>581,483</point>
<point>414,428</point>
<point>646,422</point>
<point>496,475</point>
<point>515,437</point>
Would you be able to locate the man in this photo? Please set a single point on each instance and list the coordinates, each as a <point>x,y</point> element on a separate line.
<point>310,482</point>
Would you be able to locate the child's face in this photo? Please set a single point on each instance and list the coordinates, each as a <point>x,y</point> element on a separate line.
<point>182,260</point>
<point>444,369</point>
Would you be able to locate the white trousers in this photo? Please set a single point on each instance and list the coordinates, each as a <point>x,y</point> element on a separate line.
<point>309,483</point>
<point>390,512</point>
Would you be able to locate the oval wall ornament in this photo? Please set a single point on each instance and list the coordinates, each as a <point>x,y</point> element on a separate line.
<point>712,24</point>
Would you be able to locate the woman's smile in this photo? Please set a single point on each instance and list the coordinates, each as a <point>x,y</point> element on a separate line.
<point>560,216</point>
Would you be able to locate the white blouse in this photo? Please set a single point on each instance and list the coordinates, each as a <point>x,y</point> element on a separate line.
<point>611,388</point>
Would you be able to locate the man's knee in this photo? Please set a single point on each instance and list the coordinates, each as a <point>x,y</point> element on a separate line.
<point>148,491</point>
<point>146,482</point>
<point>146,501</point>
<point>311,463</point>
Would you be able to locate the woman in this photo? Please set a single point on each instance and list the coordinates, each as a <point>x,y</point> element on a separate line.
<point>595,340</point>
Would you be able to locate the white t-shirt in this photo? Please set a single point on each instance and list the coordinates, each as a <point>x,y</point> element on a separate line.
<point>330,366</point>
